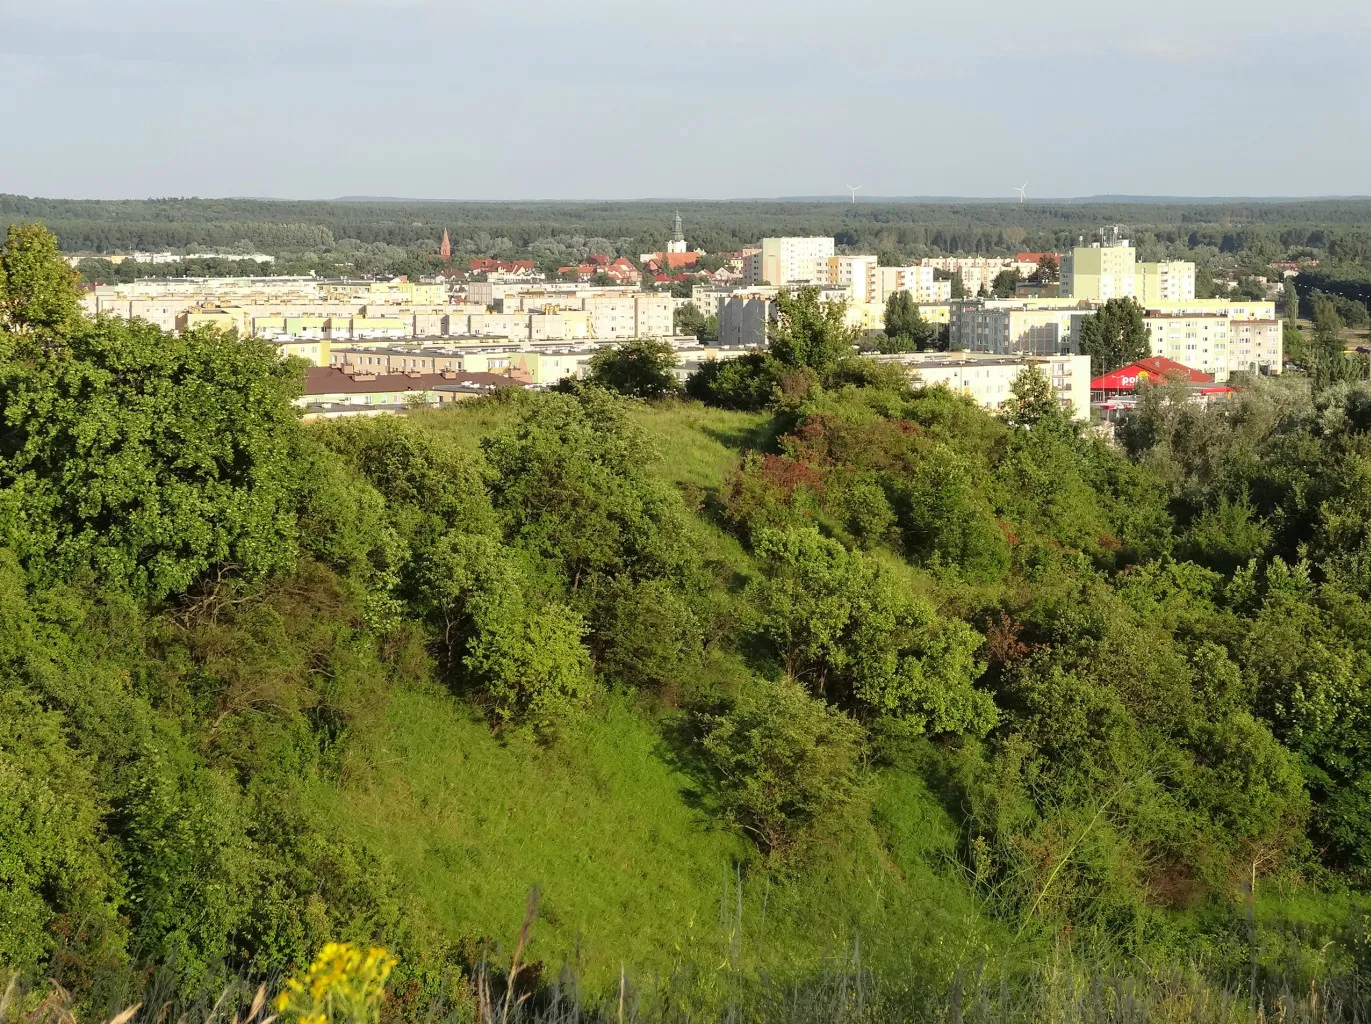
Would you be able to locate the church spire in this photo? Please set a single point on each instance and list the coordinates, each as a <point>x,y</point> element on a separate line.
<point>445,250</point>
<point>677,242</point>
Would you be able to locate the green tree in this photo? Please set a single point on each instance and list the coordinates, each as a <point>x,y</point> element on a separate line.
<point>149,459</point>
<point>810,333</point>
<point>38,291</point>
<point>1115,335</point>
<point>525,654</point>
<point>1204,282</point>
<point>751,381</point>
<point>641,368</point>
<point>1004,283</point>
<point>1049,271</point>
<point>1032,401</point>
<point>689,320</point>
<point>570,482</point>
<point>1327,351</point>
<point>784,762</point>
<point>905,329</point>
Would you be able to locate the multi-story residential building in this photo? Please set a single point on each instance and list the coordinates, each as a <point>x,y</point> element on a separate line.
<point>1217,343</point>
<point>1256,345</point>
<point>1242,309</point>
<point>856,273</point>
<point>1099,273</point>
<point>159,312</point>
<point>743,318</point>
<point>789,261</point>
<point>1011,327</point>
<point>635,315</point>
<point>564,325</point>
<point>987,378</point>
<point>920,280</point>
<point>745,314</point>
<point>978,273</point>
<point>1173,281</point>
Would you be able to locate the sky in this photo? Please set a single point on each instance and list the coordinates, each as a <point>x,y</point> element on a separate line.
<point>711,99</point>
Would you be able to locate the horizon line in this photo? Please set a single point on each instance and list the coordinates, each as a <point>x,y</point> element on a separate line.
<point>1104,197</point>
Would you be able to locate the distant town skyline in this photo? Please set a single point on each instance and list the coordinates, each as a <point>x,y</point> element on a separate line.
<point>307,99</point>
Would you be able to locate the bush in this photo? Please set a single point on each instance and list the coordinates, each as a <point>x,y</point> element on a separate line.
<point>841,627</point>
<point>748,382</point>
<point>641,368</point>
<point>784,762</point>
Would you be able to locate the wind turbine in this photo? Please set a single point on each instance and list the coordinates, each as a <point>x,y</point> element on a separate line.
<point>1020,189</point>
<point>853,189</point>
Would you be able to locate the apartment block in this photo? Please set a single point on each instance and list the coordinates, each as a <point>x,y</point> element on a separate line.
<point>1099,273</point>
<point>859,274</point>
<point>1002,329</point>
<point>978,273</point>
<point>1173,281</point>
<point>921,281</point>
<point>987,379</point>
<point>743,319</point>
<point>1216,343</point>
<point>789,261</point>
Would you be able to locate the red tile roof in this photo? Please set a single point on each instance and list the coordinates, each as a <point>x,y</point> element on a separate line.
<point>1126,378</point>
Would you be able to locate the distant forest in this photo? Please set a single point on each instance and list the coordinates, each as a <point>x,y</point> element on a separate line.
<point>1337,229</point>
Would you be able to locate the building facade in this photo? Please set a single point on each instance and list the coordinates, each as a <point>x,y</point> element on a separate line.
<point>789,261</point>
<point>987,379</point>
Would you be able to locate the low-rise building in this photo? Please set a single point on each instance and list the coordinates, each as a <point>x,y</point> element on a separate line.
<point>1115,393</point>
<point>330,391</point>
<point>987,379</point>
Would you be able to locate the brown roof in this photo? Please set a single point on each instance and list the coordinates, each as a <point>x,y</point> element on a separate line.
<point>330,380</point>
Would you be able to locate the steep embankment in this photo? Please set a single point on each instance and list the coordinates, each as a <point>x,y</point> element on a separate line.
<point>607,821</point>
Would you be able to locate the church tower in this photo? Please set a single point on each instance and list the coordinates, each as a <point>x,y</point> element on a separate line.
<point>677,243</point>
<point>445,250</point>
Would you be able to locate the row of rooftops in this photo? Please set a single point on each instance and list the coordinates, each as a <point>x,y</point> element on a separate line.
<point>333,380</point>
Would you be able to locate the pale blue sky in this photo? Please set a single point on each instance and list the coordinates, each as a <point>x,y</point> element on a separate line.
<point>703,99</point>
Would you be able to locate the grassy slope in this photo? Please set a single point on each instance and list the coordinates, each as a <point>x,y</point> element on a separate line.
<point>630,870</point>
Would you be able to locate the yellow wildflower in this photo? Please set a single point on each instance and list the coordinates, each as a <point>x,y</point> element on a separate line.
<point>342,986</point>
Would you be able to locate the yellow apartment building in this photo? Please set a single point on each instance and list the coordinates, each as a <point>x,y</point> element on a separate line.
<point>220,319</point>
<point>1099,272</point>
<point>1172,281</point>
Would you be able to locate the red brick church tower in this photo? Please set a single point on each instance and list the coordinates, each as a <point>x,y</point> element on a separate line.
<point>445,250</point>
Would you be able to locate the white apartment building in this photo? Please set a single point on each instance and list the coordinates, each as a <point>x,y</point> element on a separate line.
<point>978,273</point>
<point>856,273</point>
<point>789,261</point>
<point>987,379</point>
<point>632,315</point>
<point>1216,343</point>
<point>920,280</point>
